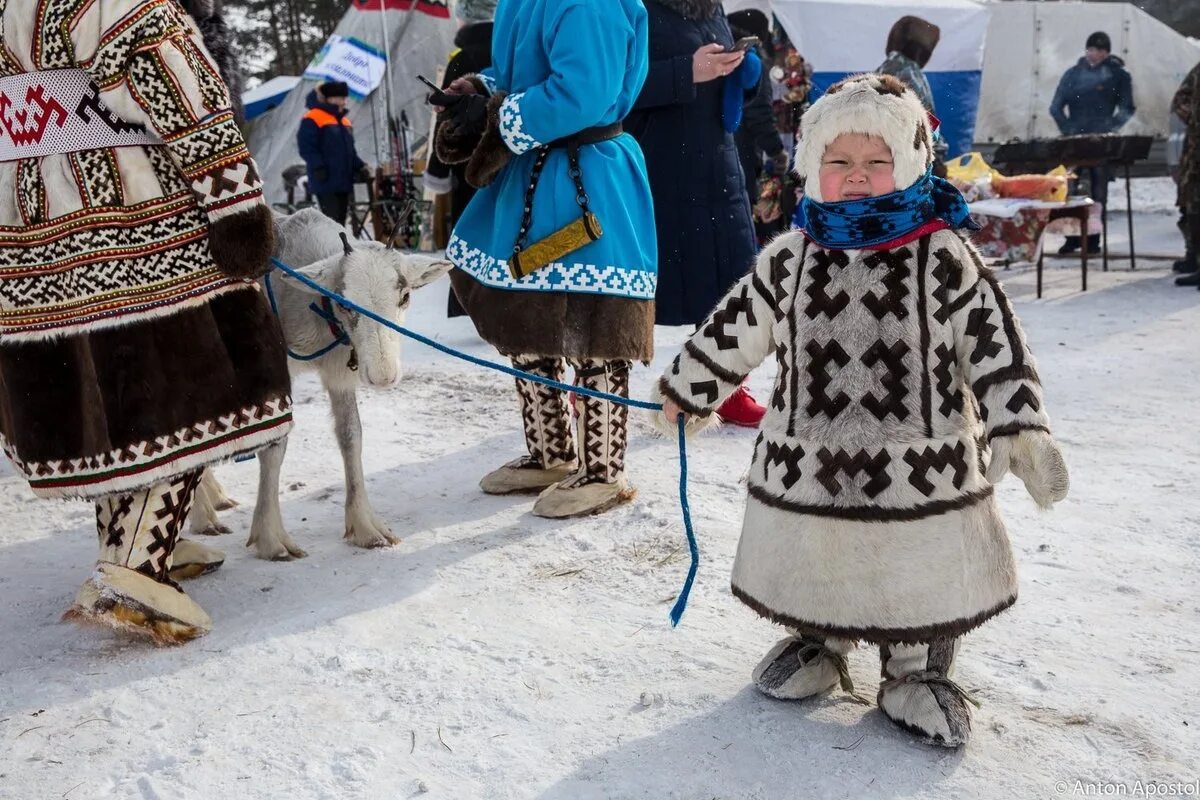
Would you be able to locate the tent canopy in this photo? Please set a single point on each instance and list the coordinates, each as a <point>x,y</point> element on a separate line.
<point>418,41</point>
<point>843,37</point>
<point>266,96</point>
<point>1031,45</point>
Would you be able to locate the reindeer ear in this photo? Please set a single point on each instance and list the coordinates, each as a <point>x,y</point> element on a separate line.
<point>419,270</point>
<point>327,273</point>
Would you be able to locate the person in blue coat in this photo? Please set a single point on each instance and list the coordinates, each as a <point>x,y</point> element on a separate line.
<point>326,141</point>
<point>1094,96</point>
<point>555,257</point>
<point>706,238</point>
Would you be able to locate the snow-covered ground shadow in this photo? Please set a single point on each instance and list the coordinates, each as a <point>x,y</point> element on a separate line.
<point>751,746</point>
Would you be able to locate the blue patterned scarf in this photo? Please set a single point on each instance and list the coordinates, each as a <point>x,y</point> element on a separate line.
<point>854,224</point>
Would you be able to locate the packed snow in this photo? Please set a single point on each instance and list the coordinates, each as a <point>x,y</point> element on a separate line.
<point>497,655</point>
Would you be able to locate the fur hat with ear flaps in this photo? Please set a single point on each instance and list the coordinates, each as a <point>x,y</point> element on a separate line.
<point>877,105</point>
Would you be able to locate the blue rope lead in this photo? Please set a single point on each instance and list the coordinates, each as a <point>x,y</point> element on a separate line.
<point>693,548</point>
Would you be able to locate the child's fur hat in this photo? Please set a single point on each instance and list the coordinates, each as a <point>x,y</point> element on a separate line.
<point>878,105</point>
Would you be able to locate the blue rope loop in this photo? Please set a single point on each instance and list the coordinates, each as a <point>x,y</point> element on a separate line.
<point>341,338</point>
<point>680,602</point>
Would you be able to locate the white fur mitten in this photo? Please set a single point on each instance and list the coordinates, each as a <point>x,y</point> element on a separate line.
<point>669,427</point>
<point>1034,457</point>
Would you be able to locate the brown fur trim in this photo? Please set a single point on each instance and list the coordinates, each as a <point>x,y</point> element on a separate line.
<point>83,396</point>
<point>492,153</point>
<point>452,149</point>
<point>919,635</point>
<point>241,244</point>
<point>874,513</point>
<point>456,149</point>
<point>558,324</point>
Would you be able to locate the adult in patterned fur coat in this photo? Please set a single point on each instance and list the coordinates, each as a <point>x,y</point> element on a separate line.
<point>905,390</point>
<point>540,133</point>
<point>135,346</point>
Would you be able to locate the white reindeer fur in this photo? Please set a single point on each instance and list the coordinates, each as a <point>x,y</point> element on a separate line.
<point>375,278</point>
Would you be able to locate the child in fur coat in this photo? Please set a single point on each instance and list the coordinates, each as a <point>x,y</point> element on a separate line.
<point>905,390</point>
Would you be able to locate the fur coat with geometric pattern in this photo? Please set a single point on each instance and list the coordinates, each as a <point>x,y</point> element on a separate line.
<point>135,344</point>
<point>870,514</point>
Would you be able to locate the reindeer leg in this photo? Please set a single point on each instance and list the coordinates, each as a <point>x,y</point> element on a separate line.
<point>267,534</point>
<point>220,500</point>
<point>364,528</point>
<point>203,521</point>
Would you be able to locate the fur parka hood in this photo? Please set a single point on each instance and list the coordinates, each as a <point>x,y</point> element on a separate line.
<point>877,105</point>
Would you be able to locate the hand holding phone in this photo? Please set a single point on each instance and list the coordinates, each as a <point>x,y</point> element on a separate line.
<point>744,44</point>
<point>438,97</point>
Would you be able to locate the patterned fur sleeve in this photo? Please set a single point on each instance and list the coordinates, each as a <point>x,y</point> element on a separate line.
<point>151,47</point>
<point>996,363</point>
<point>735,339</point>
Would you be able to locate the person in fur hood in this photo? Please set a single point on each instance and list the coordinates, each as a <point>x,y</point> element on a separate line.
<point>555,255</point>
<point>135,346</point>
<point>905,391</point>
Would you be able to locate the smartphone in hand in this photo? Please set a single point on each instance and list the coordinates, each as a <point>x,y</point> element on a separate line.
<point>437,97</point>
<point>744,44</point>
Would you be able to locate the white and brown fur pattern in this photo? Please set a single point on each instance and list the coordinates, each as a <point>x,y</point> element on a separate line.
<point>374,277</point>
<point>870,513</point>
<point>877,105</point>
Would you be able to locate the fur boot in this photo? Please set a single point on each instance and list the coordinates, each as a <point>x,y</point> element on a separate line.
<point>802,665</point>
<point>192,559</point>
<point>918,695</point>
<point>599,484</point>
<point>547,434</point>
<point>130,589</point>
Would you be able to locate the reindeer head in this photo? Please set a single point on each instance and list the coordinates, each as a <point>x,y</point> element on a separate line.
<point>381,279</point>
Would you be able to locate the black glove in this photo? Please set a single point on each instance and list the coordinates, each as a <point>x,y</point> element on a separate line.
<point>321,174</point>
<point>467,115</point>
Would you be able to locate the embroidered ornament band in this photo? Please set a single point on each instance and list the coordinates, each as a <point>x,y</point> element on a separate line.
<point>854,224</point>
<point>60,111</point>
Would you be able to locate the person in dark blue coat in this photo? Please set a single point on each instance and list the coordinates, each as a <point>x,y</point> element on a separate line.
<point>1094,96</point>
<point>701,211</point>
<point>326,142</point>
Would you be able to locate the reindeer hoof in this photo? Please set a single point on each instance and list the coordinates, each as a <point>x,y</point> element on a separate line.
<point>226,503</point>
<point>371,538</point>
<point>213,529</point>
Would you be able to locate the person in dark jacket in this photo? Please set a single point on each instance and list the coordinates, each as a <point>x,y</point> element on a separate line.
<point>910,45</point>
<point>326,142</point>
<point>758,138</point>
<point>474,55</point>
<point>1186,106</point>
<point>701,211</point>
<point>1094,96</point>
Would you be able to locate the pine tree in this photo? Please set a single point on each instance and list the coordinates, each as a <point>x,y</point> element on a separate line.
<point>283,35</point>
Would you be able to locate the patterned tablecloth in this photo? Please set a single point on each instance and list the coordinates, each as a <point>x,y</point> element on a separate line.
<point>1012,228</point>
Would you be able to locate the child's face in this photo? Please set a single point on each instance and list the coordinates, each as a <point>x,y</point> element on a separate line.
<point>856,166</point>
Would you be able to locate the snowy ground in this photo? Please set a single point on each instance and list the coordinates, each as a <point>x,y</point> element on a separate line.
<point>496,655</point>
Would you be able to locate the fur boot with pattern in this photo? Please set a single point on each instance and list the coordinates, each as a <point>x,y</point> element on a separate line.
<point>599,483</point>
<point>803,665</point>
<point>547,434</point>
<point>130,589</point>
<point>918,695</point>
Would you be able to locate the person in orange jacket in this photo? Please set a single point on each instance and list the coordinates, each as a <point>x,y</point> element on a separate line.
<point>326,142</point>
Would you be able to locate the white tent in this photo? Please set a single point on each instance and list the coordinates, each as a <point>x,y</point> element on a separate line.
<point>416,42</point>
<point>1031,44</point>
<point>842,37</point>
<point>1027,47</point>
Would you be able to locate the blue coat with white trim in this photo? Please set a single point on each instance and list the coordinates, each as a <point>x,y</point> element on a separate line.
<point>566,65</point>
